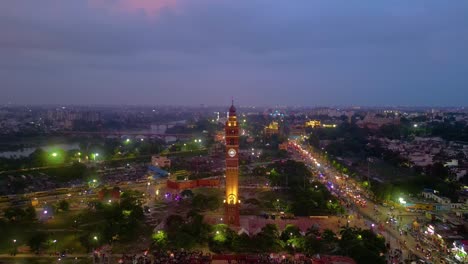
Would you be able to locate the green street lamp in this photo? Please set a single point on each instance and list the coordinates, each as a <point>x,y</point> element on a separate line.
<point>14,247</point>
<point>54,154</point>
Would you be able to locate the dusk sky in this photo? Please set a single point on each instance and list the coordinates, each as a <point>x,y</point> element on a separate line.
<point>261,52</point>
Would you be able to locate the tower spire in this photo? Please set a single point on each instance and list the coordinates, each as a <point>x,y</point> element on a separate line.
<point>231,201</point>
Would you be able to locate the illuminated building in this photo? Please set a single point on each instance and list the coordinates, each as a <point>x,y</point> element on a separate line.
<point>283,146</point>
<point>272,129</point>
<point>313,123</point>
<point>231,200</point>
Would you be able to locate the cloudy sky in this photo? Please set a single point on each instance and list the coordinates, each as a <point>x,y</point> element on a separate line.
<point>263,52</point>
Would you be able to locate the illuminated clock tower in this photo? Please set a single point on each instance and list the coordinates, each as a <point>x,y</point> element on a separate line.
<point>232,201</point>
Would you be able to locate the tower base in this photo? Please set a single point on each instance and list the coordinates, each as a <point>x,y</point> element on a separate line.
<point>231,214</point>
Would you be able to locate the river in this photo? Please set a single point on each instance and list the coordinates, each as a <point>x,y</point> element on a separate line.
<point>27,151</point>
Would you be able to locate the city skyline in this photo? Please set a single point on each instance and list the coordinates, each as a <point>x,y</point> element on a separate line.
<point>180,52</point>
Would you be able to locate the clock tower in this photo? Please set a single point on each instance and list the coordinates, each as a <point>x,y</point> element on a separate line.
<point>231,201</point>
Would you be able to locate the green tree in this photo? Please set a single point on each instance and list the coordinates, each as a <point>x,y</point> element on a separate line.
<point>290,231</point>
<point>63,205</point>
<point>160,239</point>
<point>37,241</point>
<point>14,214</point>
<point>187,193</point>
<point>30,213</point>
<point>269,239</point>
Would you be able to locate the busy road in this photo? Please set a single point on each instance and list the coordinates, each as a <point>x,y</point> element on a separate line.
<point>390,222</point>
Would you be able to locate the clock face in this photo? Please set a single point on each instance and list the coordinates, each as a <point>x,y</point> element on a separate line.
<point>232,198</point>
<point>231,153</point>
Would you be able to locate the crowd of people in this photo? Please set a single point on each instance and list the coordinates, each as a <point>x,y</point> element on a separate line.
<point>395,256</point>
<point>198,257</point>
<point>168,257</point>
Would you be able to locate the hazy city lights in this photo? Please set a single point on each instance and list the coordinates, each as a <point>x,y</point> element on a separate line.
<point>273,132</point>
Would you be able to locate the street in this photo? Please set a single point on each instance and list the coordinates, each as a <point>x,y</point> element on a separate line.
<point>387,221</point>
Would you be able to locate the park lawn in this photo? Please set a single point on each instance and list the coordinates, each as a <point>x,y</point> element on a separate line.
<point>22,232</point>
<point>186,154</point>
<point>143,242</point>
<point>63,220</point>
<point>209,191</point>
<point>66,240</point>
<point>267,198</point>
<point>12,231</point>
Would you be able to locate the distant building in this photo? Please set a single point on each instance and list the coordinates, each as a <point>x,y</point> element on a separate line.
<point>421,159</point>
<point>429,194</point>
<point>283,146</point>
<point>297,130</point>
<point>272,129</point>
<point>160,161</point>
<point>313,123</point>
<point>452,163</point>
<point>373,121</point>
<point>219,137</point>
<point>157,172</point>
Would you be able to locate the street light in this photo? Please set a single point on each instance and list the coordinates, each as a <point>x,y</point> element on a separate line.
<point>14,247</point>
<point>54,154</point>
<point>401,200</point>
<point>95,238</point>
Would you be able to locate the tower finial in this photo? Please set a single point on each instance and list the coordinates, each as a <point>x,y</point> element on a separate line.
<point>232,100</point>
